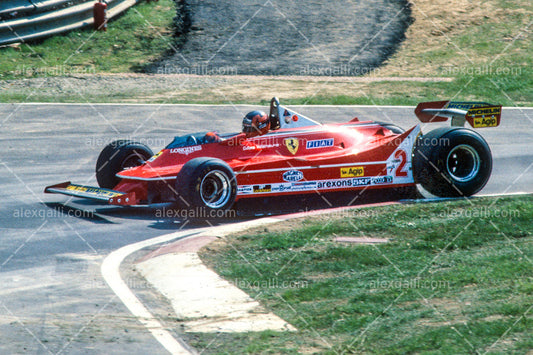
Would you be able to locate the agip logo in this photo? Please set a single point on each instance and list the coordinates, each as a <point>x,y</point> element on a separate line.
<point>292,145</point>
<point>353,171</point>
<point>485,122</point>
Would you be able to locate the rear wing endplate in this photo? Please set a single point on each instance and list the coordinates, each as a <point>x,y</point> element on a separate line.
<point>477,114</point>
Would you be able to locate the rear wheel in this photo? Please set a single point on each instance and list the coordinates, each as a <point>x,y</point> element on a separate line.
<point>206,182</point>
<point>452,162</point>
<point>117,156</point>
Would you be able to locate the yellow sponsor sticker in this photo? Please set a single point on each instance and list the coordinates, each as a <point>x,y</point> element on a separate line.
<point>484,116</point>
<point>94,191</point>
<point>262,188</point>
<point>154,157</point>
<point>485,122</point>
<point>353,171</point>
<point>77,188</point>
<point>484,111</point>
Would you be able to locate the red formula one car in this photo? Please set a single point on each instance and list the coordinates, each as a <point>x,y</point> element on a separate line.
<point>286,153</point>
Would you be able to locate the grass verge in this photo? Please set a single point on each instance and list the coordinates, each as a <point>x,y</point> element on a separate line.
<point>142,34</point>
<point>455,278</point>
<point>484,47</point>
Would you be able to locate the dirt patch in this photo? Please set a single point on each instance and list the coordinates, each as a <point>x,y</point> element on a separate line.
<point>137,88</point>
<point>334,38</point>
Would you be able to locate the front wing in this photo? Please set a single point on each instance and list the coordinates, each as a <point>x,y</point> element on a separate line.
<point>94,193</point>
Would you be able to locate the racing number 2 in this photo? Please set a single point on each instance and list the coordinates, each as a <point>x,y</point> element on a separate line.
<point>402,155</point>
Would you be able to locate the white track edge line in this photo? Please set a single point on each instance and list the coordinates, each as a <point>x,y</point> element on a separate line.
<point>110,270</point>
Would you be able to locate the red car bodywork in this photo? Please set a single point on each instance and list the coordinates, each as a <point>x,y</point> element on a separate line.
<point>300,156</point>
<point>354,155</point>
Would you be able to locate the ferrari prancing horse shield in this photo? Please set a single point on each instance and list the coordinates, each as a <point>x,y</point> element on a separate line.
<point>292,145</point>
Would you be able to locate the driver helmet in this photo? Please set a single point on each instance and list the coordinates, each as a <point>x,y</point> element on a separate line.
<point>255,123</point>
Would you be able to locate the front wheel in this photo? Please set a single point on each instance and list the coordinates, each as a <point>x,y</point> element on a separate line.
<point>206,182</point>
<point>117,156</point>
<point>452,162</point>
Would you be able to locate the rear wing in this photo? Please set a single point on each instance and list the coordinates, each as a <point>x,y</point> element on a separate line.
<point>477,114</point>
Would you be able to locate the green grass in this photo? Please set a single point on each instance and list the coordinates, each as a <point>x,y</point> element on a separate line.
<point>447,282</point>
<point>505,90</point>
<point>134,39</point>
<point>486,51</point>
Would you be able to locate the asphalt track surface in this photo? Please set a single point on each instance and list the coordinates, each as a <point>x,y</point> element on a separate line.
<point>53,298</point>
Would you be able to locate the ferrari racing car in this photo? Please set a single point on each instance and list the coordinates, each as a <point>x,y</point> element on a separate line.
<point>286,153</point>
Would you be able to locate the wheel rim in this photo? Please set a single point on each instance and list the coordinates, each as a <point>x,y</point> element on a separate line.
<point>463,163</point>
<point>215,189</point>
<point>132,160</point>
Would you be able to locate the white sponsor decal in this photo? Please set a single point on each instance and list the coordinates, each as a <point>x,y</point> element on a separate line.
<point>316,185</point>
<point>261,146</point>
<point>245,189</point>
<point>282,188</point>
<point>186,150</point>
<point>340,183</point>
<point>382,180</point>
<point>319,143</point>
